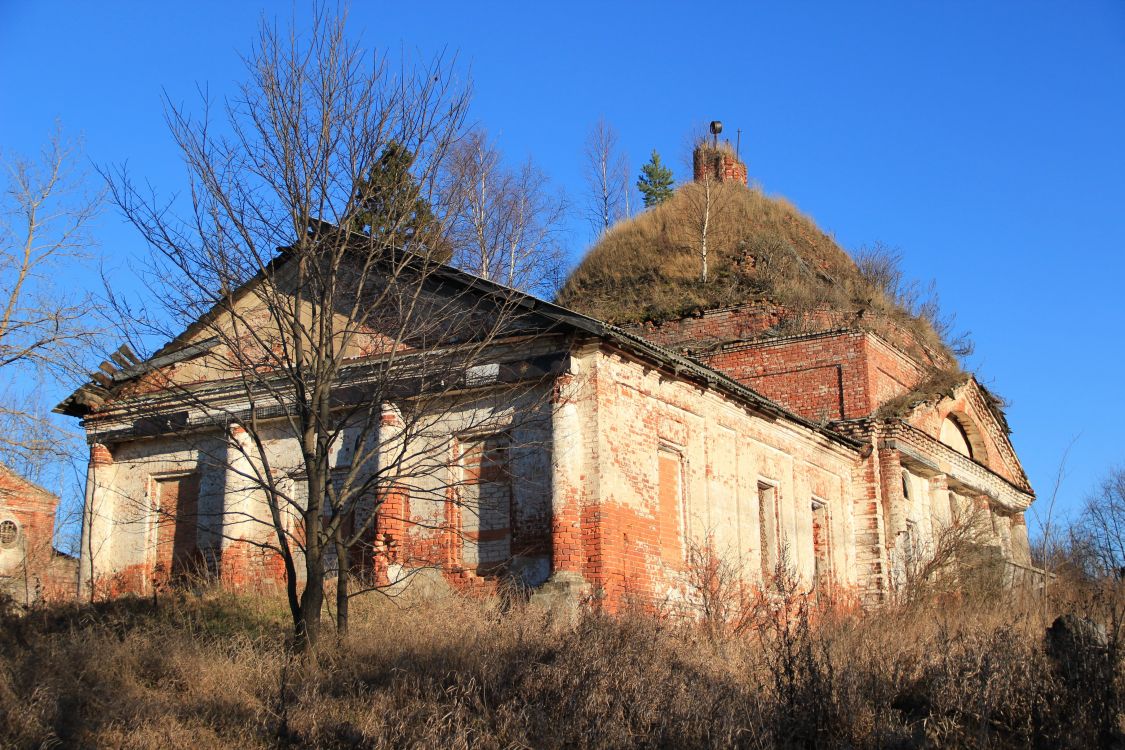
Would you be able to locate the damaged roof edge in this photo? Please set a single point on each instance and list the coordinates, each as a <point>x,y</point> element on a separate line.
<point>678,363</point>
<point>690,368</point>
<point>625,340</point>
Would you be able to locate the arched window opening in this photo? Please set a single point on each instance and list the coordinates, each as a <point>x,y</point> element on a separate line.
<point>9,533</point>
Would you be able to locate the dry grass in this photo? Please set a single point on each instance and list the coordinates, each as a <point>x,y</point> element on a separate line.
<point>760,248</point>
<point>940,384</point>
<point>211,671</point>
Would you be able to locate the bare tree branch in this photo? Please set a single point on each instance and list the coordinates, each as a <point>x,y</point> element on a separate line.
<point>607,178</point>
<point>45,213</point>
<point>503,223</point>
<point>345,370</point>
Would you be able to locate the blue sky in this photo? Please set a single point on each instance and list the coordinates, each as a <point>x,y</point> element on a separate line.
<point>985,140</point>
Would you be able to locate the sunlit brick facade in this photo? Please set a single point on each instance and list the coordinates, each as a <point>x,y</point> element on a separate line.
<point>31,570</point>
<point>636,455</point>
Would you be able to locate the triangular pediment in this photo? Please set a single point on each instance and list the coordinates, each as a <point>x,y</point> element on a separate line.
<point>428,305</point>
<point>967,418</point>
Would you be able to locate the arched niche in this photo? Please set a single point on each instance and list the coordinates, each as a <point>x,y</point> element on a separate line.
<point>961,435</point>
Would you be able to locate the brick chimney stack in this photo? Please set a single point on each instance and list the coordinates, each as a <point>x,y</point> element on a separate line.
<point>718,163</point>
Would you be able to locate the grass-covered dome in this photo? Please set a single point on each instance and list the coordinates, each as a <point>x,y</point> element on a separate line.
<point>759,248</point>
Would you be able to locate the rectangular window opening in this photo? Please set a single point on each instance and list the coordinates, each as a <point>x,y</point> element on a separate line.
<point>178,556</point>
<point>770,544</point>
<point>671,506</point>
<point>486,513</point>
<point>822,544</point>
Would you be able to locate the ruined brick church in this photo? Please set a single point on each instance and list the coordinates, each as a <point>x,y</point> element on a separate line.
<point>837,443</point>
<point>31,569</point>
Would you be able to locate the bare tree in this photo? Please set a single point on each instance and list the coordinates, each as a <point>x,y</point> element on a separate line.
<point>725,602</point>
<point>45,213</point>
<point>957,556</point>
<point>882,283</point>
<point>1101,527</point>
<point>607,177</point>
<point>342,373</point>
<point>501,222</point>
<point>626,184</point>
<point>703,201</point>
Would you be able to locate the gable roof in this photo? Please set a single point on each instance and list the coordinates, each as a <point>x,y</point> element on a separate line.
<point>10,477</point>
<point>555,318</point>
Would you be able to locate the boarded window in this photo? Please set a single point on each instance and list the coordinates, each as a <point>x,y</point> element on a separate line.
<point>671,504</point>
<point>177,527</point>
<point>822,545</point>
<point>486,504</point>
<point>768,526</point>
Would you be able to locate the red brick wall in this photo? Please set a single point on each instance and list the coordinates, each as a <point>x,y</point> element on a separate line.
<point>820,377</point>
<point>890,373</point>
<point>717,164</point>
<point>33,510</point>
<point>697,334</point>
<point>832,375</point>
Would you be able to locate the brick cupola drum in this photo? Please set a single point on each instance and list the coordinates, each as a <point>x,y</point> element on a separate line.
<point>717,162</point>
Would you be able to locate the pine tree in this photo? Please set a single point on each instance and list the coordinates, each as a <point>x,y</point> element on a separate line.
<point>655,182</point>
<point>391,206</point>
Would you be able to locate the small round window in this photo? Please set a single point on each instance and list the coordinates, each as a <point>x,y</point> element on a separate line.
<point>9,533</point>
